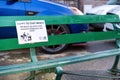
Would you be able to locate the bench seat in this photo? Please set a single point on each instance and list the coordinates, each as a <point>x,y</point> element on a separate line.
<point>45,64</point>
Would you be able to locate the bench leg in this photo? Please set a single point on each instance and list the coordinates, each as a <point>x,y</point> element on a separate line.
<point>114,69</point>
<point>59,72</point>
<point>32,76</point>
<point>33,58</point>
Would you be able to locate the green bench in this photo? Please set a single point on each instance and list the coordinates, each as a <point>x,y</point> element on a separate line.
<point>53,65</point>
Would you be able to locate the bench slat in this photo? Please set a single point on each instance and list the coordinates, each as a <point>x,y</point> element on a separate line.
<point>75,19</point>
<point>58,39</point>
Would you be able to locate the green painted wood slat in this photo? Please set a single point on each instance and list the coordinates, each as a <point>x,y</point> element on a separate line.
<point>58,39</point>
<point>10,20</point>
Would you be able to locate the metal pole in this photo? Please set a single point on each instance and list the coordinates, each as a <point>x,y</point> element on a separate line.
<point>114,69</point>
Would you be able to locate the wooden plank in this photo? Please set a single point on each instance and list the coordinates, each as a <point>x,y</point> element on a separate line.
<point>58,39</point>
<point>74,19</point>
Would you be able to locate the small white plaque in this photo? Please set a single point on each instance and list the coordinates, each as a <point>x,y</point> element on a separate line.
<point>31,31</point>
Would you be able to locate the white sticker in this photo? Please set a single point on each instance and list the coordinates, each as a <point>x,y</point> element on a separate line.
<point>31,31</point>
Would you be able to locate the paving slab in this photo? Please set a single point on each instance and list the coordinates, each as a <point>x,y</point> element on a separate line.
<point>96,67</point>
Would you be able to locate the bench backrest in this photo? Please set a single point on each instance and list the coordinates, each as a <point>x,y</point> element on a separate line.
<point>9,44</point>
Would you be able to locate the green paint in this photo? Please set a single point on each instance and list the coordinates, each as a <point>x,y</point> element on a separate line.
<point>10,20</point>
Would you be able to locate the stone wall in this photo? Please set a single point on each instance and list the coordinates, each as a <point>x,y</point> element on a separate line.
<point>93,2</point>
<point>81,3</point>
<point>90,2</point>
